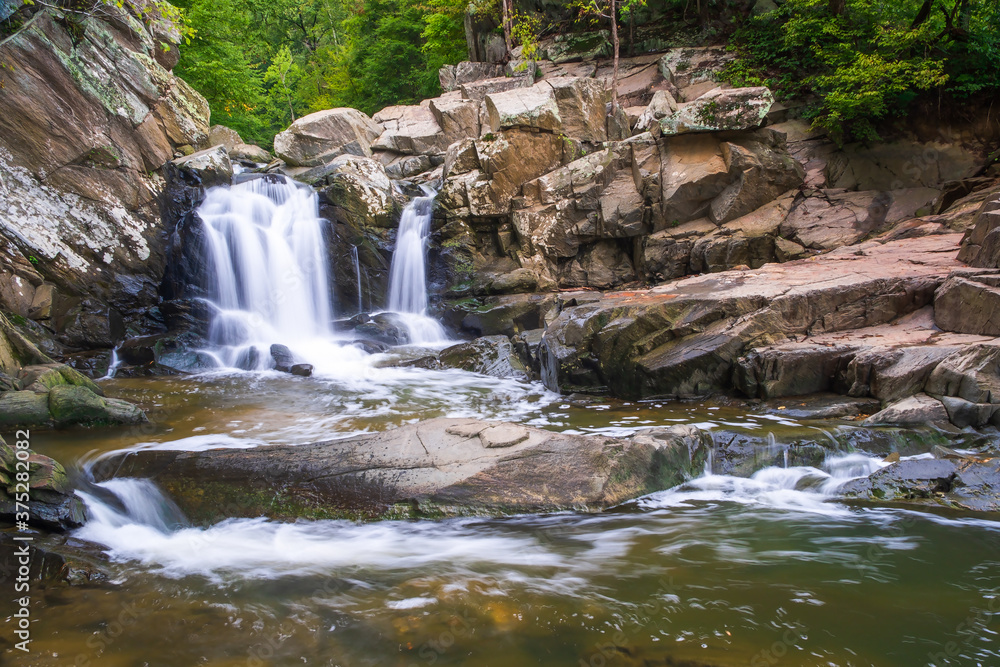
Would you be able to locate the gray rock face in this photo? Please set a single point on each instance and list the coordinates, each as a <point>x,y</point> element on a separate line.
<point>319,137</point>
<point>439,467</point>
<point>969,304</point>
<point>85,121</point>
<point>830,220</point>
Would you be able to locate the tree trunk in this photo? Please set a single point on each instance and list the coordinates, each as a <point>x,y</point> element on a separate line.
<point>507,18</point>
<point>631,31</point>
<point>614,40</point>
<point>837,7</point>
<point>923,14</point>
<point>965,17</point>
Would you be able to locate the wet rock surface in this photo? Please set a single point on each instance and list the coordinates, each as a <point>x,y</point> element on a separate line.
<point>438,467</point>
<point>47,493</point>
<point>959,482</point>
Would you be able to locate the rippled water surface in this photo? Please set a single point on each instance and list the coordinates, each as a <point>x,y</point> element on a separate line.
<point>721,571</point>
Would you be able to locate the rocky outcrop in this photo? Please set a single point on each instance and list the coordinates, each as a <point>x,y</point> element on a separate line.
<point>440,467</point>
<point>686,338</point>
<point>79,161</point>
<point>981,245</point>
<point>315,139</point>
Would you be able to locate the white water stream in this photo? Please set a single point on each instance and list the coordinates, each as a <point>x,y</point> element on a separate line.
<point>144,528</point>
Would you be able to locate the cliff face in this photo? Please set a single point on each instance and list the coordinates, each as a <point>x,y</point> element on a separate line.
<point>88,115</point>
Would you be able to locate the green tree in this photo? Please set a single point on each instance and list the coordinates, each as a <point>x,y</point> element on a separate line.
<point>867,61</point>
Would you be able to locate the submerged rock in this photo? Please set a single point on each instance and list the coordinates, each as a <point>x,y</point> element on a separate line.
<point>439,467</point>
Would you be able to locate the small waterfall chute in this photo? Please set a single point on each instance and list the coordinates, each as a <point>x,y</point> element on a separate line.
<point>357,276</point>
<point>408,272</point>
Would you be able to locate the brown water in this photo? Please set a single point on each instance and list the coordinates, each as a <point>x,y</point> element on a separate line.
<point>720,572</point>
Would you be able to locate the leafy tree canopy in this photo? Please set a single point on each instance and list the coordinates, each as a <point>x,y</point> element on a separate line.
<point>863,61</point>
<point>263,63</point>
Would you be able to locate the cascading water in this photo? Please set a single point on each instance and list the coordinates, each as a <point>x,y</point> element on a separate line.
<point>269,269</point>
<point>357,276</point>
<point>408,272</point>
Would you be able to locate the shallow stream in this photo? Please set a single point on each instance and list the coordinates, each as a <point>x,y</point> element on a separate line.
<point>721,571</point>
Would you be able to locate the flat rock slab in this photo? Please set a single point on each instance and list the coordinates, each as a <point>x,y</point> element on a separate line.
<point>440,467</point>
<point>504,435</point>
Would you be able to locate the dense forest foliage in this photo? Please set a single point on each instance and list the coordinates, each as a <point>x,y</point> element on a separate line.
<point>862,61</point>
<point>263,63</point>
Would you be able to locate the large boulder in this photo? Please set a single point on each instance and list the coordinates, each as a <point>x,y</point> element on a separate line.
<point>478,90</point>
<point>436,468</point>
<point>359,191</point>
<point>969,304</point>
<point>719,110</point>
<point>763,170</point>
<point>571,106</point>
<point>833,218</point>
<point>410,130</point>
<point>917,409</point>
<point>315,139</point>
<point>209,167</point>
<point>489,355</point>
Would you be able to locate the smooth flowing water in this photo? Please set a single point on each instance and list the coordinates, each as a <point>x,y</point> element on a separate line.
<point>770,570</point>
<point>269,271</point>
<point>408,272</point>
<point>721,571</point>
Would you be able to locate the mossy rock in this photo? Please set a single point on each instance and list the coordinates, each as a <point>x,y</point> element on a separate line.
<point>43,377</point>
<point>24,408</point>
<point>71,405</point>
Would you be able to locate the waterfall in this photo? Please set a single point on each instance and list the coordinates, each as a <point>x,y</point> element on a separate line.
<point>269,272</point>
<point>113,365</point>
<point>408,272</point>
<point>357,276</point>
